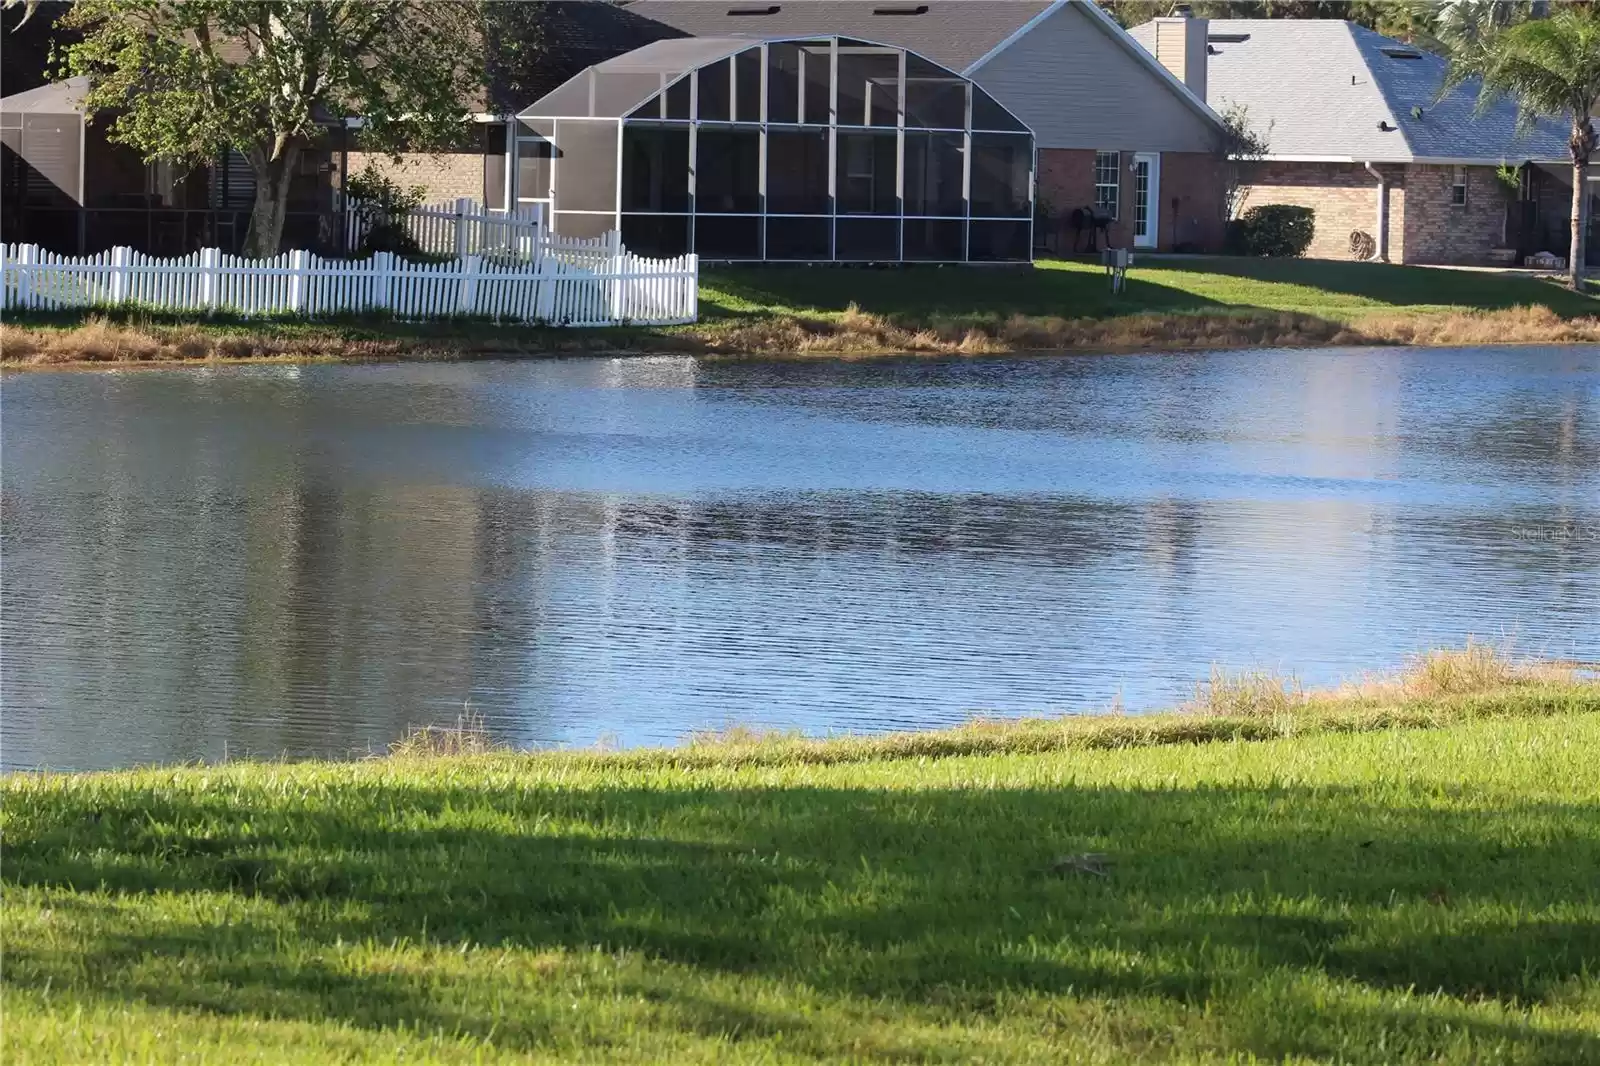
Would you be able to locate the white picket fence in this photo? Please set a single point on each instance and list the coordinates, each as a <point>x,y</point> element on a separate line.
<point>461,228</point>
<point>565,283</point>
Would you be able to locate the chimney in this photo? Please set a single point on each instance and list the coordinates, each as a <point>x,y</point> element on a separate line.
<point>1181,47</point>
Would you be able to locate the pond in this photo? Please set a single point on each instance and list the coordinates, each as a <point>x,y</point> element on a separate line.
<point>277,561</point>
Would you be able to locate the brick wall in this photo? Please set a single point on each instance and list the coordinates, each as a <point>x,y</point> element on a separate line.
<point>1196,181</point>
<point>445,175</point>
<point>1343,195</point>
<point>1439,231</point>
<point>1066,181</point>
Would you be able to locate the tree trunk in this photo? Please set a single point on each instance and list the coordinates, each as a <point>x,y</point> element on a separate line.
<point>1579,248</point>
<point>272,200</point>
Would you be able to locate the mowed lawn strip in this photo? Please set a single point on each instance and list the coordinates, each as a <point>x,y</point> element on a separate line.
<point>1077,289</point>
<point>1347,893</point>
<point>1169,303</point>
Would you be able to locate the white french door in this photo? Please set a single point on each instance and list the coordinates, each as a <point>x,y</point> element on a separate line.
<point>1146,199</point>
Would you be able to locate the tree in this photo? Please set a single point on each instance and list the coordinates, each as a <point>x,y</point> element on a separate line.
<point>1241,144</point>
<point>1547,67</point>
<point>186,80</point>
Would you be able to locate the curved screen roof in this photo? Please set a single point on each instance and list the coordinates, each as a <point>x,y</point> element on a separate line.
<point>618,87</point>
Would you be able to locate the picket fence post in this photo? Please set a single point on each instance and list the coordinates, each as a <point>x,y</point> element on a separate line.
<point>300,265</point>
<point>210,269</point>
<point>120,259</point>
<point>382,270</point>
<point>467,298</point>
<point>463,208</point>
<point>27,255</point>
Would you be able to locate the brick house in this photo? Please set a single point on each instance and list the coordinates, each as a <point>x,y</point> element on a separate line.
<point>1356,130</point>
<point>1118,134</point>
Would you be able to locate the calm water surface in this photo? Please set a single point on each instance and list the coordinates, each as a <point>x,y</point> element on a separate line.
<point>306,561</point>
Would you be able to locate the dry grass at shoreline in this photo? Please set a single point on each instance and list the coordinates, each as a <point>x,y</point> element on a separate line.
<point>853,332</point>
<point>1435,688</point>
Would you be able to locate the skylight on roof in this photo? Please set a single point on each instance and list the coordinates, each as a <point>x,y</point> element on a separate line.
<point>770,9</point>
<point>1227,38</point>
<point>906,9</point>
<point>1401,53</point>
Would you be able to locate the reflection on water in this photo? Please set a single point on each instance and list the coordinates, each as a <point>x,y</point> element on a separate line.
<point>306,561</point>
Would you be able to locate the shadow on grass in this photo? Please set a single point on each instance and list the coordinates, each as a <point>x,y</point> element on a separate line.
<point>1080,289</point>
<point>944,897</point>
<point>920,292</point>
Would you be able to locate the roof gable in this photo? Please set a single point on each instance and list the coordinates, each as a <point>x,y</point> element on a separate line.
<point>953,33</point>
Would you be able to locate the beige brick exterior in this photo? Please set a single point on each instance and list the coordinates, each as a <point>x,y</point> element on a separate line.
<point>1439,231</point>
<point>445,175</point>
<point>1425,226</point>
<point>1194,179</point>
<point>1343,195</point>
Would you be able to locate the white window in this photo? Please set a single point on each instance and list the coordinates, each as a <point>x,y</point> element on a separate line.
<point>1108,183</point>
<point>1458,187</point>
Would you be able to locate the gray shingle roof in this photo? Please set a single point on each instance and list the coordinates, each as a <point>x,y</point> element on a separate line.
<point>1318,88</point>
<point>954,33</point>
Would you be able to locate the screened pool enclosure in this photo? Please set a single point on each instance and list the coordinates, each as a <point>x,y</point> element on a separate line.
<point>813,150</point>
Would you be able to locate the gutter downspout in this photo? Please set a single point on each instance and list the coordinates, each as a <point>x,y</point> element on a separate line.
<point>1382,254</point>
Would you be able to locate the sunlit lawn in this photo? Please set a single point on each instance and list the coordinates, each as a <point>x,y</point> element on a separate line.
<point>1392,896</point>
<point>1076,289</point>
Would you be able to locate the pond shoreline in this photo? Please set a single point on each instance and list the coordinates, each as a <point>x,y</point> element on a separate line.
<point>106,342</point>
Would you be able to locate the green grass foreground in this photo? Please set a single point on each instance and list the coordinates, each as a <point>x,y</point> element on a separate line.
<point>1170,303</point>
<point>1378,878</point>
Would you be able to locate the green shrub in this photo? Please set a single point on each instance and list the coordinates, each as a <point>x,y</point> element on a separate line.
<point>1276,231</point>
<point>383,204</point>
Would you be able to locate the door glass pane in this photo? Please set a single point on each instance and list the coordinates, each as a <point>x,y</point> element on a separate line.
<point>1141,198</point>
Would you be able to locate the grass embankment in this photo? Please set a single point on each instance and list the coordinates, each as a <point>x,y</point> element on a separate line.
<point>1347,891</point>
<point>1060,305</point>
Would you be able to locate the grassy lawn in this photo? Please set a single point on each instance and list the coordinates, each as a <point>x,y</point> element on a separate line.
<point>1348,891</point>
<point>1334,290</point>
<point>1171,303</point>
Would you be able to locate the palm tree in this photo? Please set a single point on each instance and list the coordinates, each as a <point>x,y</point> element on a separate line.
<point>1548,66</point>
